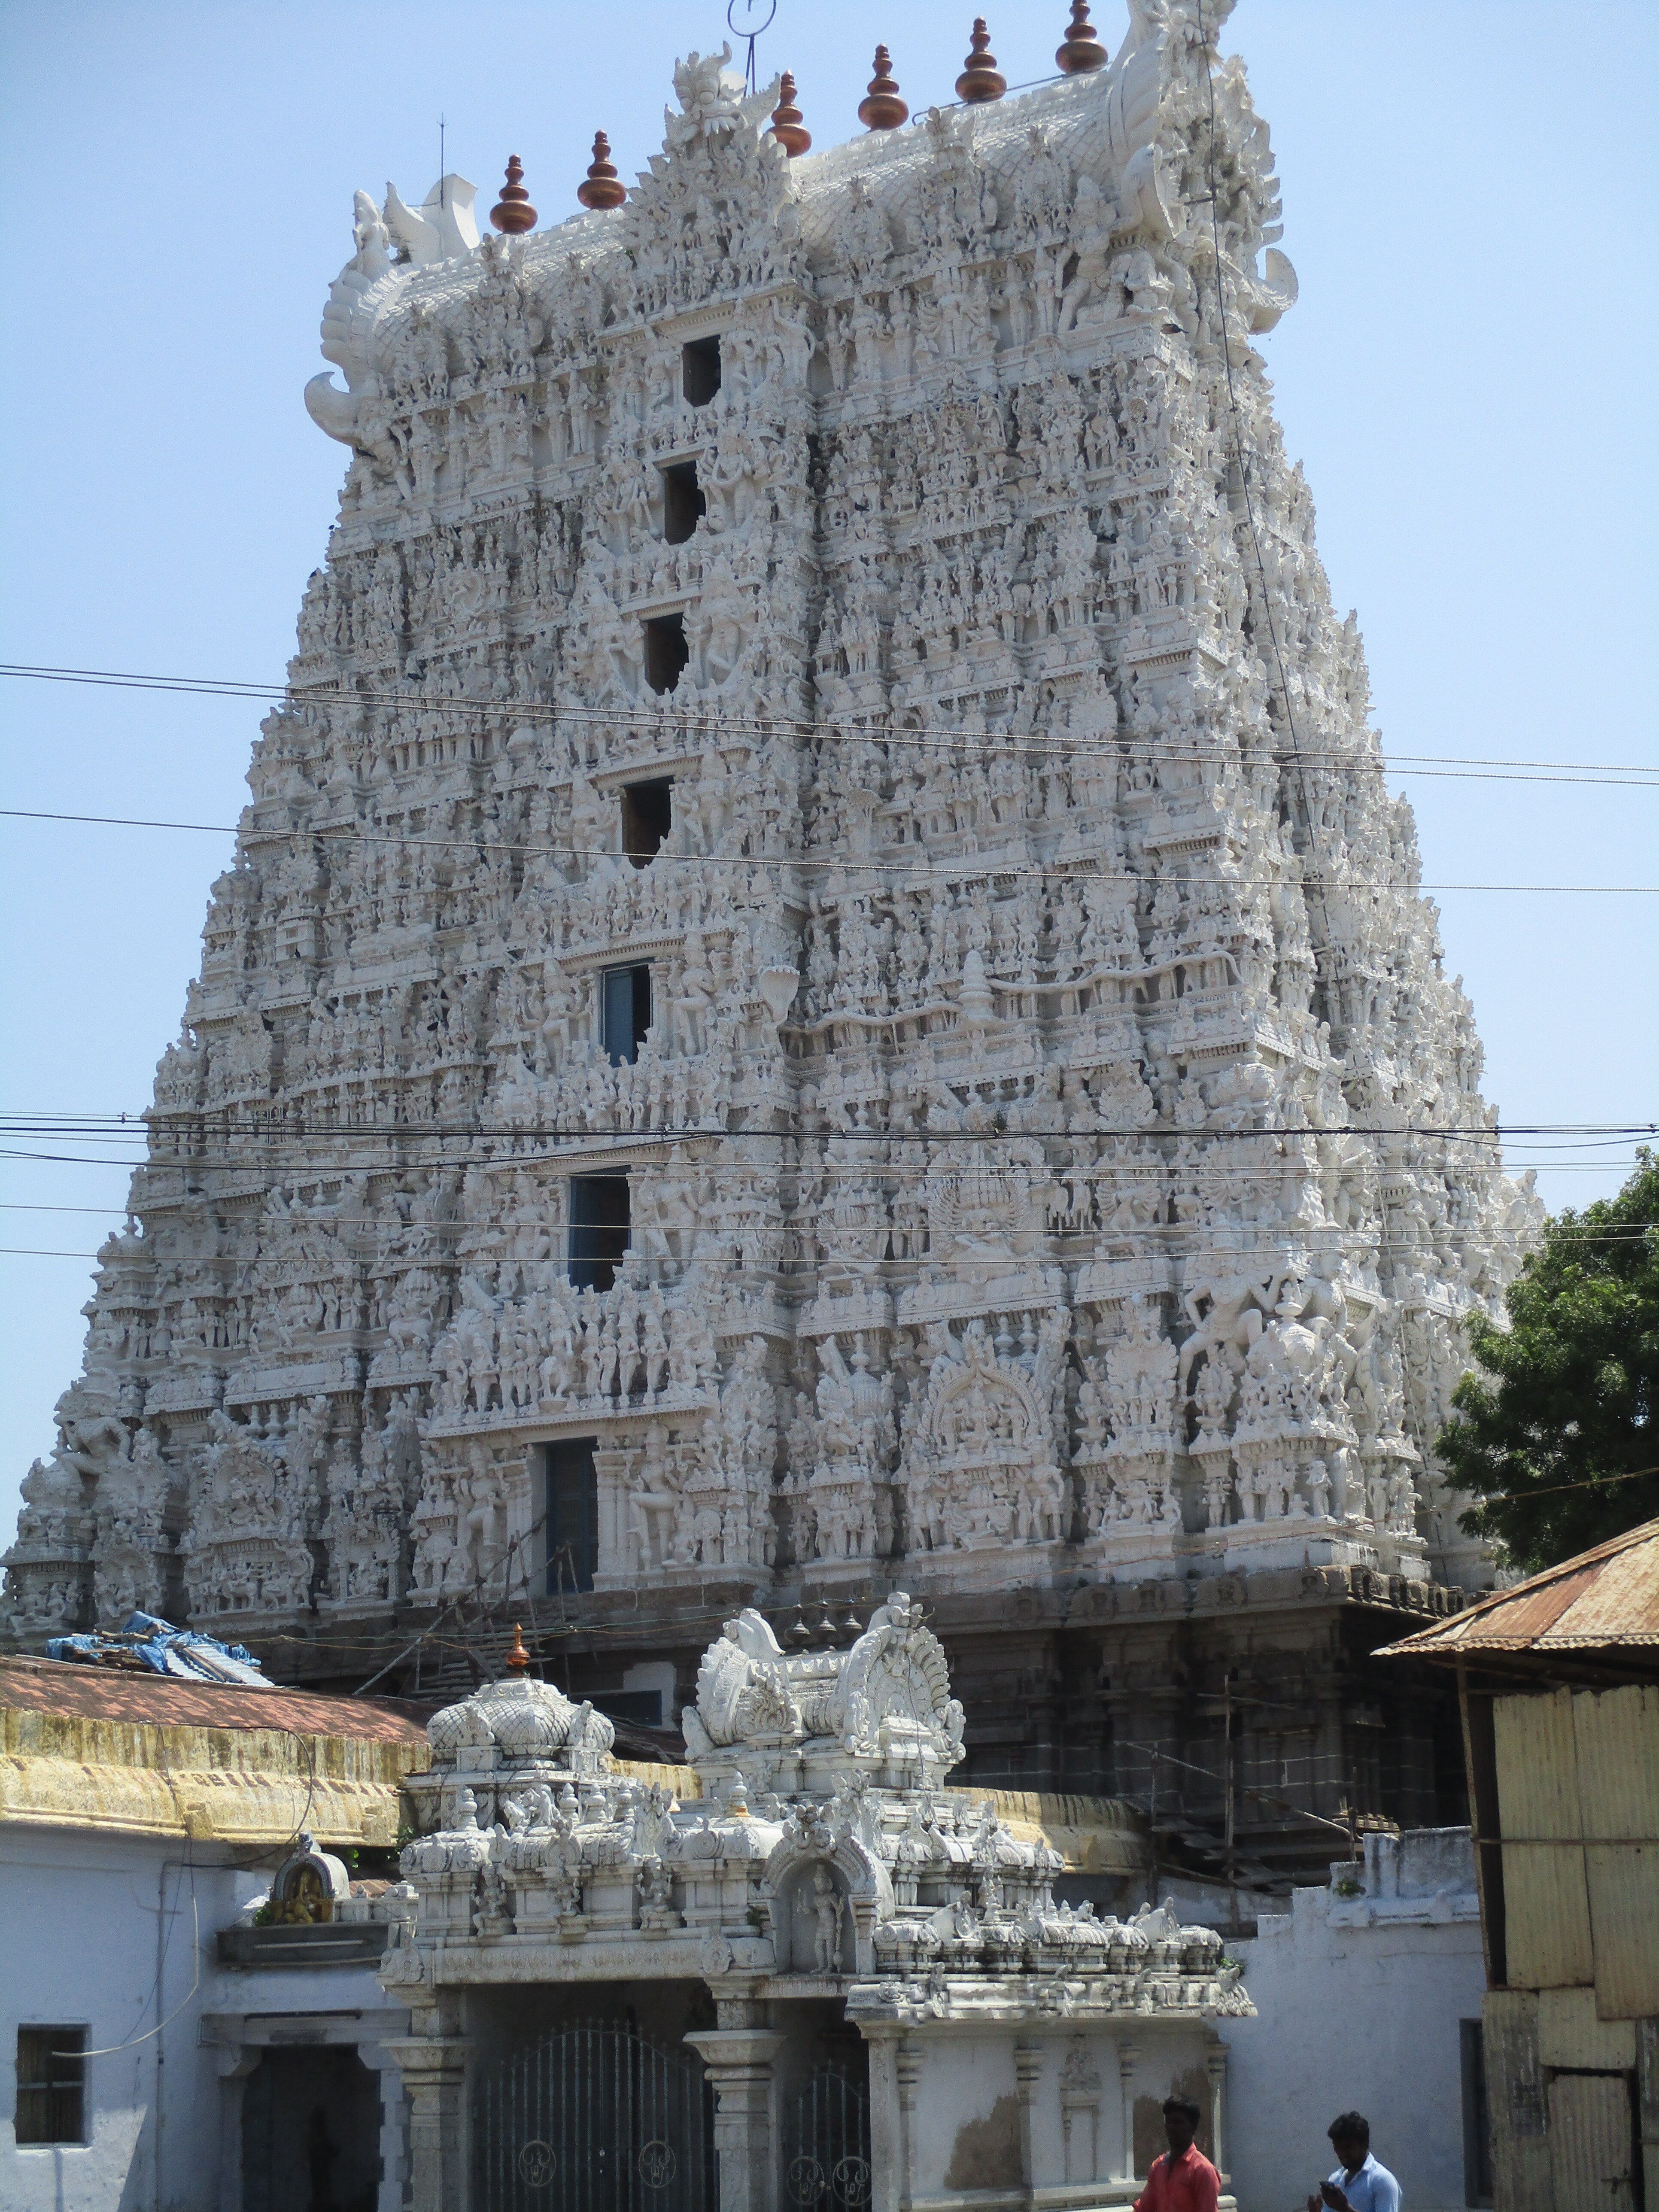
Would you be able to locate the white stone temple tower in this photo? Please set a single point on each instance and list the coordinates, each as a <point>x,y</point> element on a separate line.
<point>820,981</point>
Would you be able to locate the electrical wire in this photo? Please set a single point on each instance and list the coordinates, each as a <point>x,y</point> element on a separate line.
<point>140,1125</point>
<point>1526,1494</point>
<point>735,1178</point>
<point>898,875</point>
<point>109,2049</point>
<point>481,1576</point>
<point>1263,1796</point>
<point>700,722</point>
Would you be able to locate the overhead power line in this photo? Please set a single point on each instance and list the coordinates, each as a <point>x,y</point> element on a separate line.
<point>1573,1136</point>
<point>227,1124</point>
<point>833,1254</point>
<point>898,872</point>
<point>225,1121</point>
<point>700,721</point>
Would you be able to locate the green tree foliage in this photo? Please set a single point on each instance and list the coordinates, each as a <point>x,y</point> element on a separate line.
<point>1566,1394</point>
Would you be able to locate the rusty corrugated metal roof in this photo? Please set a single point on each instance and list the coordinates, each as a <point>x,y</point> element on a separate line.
<point>1607,1600</point>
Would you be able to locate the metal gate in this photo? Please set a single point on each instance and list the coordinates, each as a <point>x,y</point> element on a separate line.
<point>595,2119</point>
<point>826,2145</point>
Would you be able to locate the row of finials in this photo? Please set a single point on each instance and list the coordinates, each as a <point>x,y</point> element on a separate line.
<point>881,109</point>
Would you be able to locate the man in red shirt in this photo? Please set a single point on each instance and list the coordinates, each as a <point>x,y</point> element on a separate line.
<point>1183,2179</point>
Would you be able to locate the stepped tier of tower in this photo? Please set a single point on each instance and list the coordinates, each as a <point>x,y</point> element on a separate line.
<point>819,972</point>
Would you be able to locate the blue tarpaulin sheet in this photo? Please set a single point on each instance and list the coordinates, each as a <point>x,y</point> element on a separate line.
<point>163,1649</point>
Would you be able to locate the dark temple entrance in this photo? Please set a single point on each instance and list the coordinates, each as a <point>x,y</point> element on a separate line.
<point>595,2119</point>
<point>311,2133</point>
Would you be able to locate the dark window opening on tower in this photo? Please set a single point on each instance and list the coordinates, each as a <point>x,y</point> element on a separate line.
<point>626,1011</point>
<point>647,816</point>
<point>666,651</point>
<point>573,1515</point>
<point>684,505</point>
<point>599,1220</point>
<point>700,370</point>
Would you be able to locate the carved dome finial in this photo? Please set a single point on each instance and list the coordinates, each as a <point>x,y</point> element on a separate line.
<point>518,1658</point>
<point>787,120</point>
<point>981,78</point>
<point>1080,51</point>
<point>513,212</point>
<point>602,187</point>
<point>883,110</point>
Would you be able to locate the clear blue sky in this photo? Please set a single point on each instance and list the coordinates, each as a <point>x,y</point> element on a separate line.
<point>1469,202</point>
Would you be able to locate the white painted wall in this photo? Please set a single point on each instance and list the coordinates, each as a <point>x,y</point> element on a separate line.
<point>1357,2004</point>
<point>112,1932</point>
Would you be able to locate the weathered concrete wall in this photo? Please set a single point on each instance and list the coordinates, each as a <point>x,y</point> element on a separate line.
<point>114,1933</point>
<point>108,1932</point>
<point>1359,2002</point>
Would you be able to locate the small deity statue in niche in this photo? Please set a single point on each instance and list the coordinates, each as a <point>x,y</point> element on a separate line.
<point>827,1908</point>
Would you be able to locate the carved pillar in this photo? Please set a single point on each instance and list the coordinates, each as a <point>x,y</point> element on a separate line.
<point>1028,2072</point>
<point>389,2198</point>
<point>1079,2115</point>
<point>908,2067</point>
<point>236,2063</point>
<point>1215,2063</point>
<point>1126,2056</point>
<point>892,2095</point>
<point>740,2064</point>
<point>434,2070</point>
<point>863,1916</point>
<point>611,1467</point>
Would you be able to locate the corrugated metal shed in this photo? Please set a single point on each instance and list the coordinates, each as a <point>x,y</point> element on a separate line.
<point>1546,1898</point>
<point>1592,2143</point>
<point>1617,1737</point>
<point>1607,1600</point>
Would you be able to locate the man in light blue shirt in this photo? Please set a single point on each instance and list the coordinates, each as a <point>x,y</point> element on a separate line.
<point>1359,2184</point>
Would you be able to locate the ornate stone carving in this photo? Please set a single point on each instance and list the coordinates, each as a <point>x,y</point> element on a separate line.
<point>1038,1145</point>
<point>855,1865</point>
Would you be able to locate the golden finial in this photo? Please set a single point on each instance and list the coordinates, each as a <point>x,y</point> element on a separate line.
<point>513,212</point>
<point>883,110</point>
<point>518,1658</point>
<point>787,119</point>
<point>601,188</point>
<point>981,78</point>
<point>1080,51</point>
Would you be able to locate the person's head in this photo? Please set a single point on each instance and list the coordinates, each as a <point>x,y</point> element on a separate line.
<point>1181,2119</point>
<point>1351,2138</point>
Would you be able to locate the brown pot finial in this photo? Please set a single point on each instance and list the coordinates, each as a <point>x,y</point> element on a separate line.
<point>787,119</point>
<point>1081,50</point>
<point>981,78</point>
<point>883,110</point>
<point>601,188</point>
<point>518,1658</point>
<point>513,212</point>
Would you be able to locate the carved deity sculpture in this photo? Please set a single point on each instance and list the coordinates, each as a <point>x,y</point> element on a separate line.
<point>827,1909</point>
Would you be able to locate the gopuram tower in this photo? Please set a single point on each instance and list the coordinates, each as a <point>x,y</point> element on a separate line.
<point>820,985</point>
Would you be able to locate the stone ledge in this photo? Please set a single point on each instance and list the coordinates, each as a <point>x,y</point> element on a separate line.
<point>333,1943</point>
